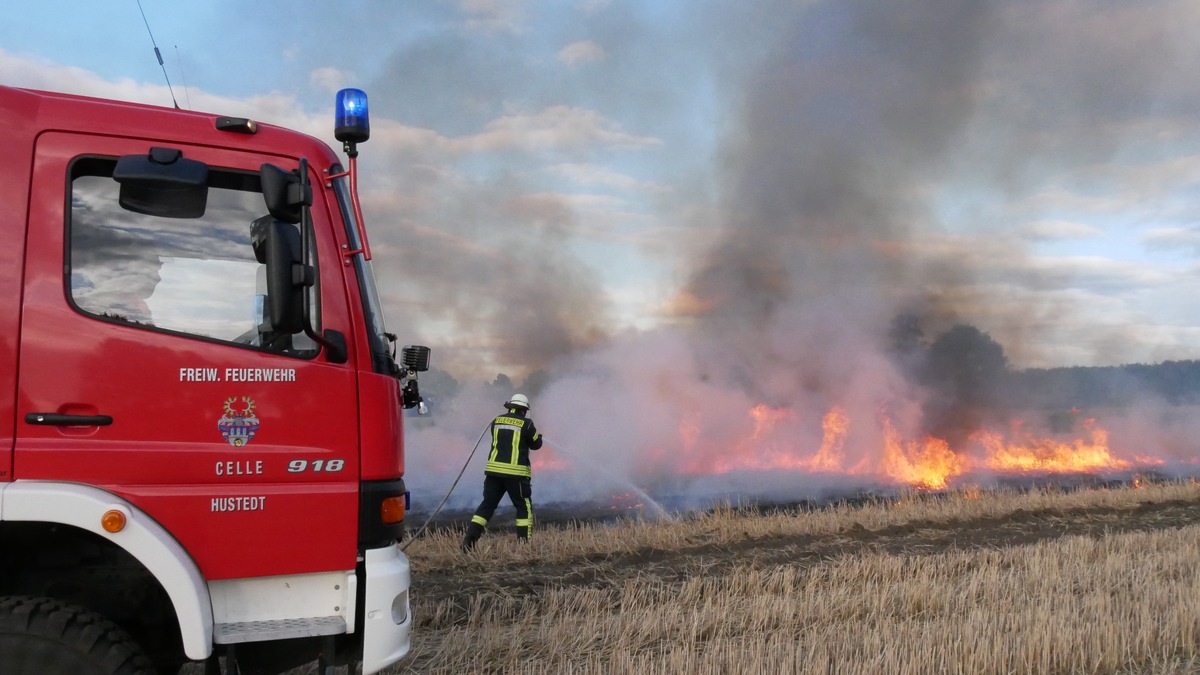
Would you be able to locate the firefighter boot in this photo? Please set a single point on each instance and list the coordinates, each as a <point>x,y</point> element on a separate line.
<point>474,532</point>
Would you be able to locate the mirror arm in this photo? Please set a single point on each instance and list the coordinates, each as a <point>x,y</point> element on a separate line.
<point>335,353</point>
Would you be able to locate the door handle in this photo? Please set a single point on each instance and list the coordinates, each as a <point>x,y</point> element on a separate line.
<point>60,420</point>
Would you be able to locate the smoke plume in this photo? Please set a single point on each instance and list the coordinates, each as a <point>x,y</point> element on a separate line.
<point>841,121</point>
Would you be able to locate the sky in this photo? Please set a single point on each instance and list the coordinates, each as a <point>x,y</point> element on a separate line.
<point>546,177</point>
<point>701,222</point>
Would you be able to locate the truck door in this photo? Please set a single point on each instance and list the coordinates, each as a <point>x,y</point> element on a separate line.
<point>12,231</point>
<point>145,367</point>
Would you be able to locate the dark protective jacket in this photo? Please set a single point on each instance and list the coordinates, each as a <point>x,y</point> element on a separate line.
<point>513,436</point>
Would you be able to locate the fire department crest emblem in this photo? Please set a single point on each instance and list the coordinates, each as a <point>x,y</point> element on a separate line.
<point>238,426</point>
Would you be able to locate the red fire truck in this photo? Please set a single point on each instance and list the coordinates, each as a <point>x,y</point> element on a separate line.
<point>201,443</point>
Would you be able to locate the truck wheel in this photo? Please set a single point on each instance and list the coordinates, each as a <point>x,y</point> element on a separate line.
<point>42,636</point>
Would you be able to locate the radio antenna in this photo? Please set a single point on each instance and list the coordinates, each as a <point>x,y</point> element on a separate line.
<point>186,94</point>
<point>158,54</point>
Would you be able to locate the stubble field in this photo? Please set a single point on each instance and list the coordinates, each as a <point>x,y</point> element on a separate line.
<point>1042,581</point>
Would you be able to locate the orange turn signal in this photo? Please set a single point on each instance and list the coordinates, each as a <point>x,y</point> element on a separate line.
<point>391,510</point>
<point>113,521</point>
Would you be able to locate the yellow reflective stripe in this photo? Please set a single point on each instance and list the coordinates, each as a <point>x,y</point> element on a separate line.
<point>508,469</point>
<point>527,522</point>
<point>528,509</point>
<point>512,425</point>
<point>479,520</point>
<point>510,464</point>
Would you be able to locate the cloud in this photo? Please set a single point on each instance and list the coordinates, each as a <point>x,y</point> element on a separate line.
<point>558,126</point>
<point>273,107</point>
<point>581,52</point>
<point>491,16</point>
<point>332,79</point>
<point>595,175</point>
<point>38,73</point>
<point>1067,85</point>
<point>1059,229</point>
<point>591,7</point>
<point>1173,238</point>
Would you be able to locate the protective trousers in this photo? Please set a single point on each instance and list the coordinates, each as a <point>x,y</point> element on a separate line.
<point>519,490</point>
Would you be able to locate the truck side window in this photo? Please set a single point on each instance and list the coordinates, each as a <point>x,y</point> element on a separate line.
<point>196,276</point>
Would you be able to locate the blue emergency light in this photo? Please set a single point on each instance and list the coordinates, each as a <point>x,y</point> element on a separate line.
<point>352,124</point>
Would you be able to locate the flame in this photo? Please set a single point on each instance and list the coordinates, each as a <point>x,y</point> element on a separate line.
<point>927,463</point>
<point>834,426</point>
<point>546,459</point>
<point>761,450</point>
<point>765,418</point>
<point>625,501</point>
<point>1049,456</point>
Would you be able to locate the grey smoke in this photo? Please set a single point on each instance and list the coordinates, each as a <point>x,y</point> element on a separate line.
<point>838,121</point>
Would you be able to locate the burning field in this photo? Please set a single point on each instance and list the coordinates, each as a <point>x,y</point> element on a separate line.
<point>688,444</point>
<point>764,464</point>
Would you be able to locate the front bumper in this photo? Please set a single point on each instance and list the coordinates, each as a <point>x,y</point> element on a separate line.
<point>387,619</point>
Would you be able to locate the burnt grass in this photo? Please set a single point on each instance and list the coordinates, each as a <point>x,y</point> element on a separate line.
<point>655,565</point>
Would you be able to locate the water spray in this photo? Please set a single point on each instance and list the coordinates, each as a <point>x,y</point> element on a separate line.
<point>661,512</point>
<point>658,509</point>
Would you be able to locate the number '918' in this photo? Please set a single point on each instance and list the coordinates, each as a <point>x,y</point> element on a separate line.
<point>317,465</point>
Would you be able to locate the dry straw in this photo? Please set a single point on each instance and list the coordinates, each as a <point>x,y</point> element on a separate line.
<point>1113,603</point>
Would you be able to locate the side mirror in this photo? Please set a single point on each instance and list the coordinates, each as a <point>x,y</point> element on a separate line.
<point>277,245</point>
<point>162,183</point>
<point>285,193</point>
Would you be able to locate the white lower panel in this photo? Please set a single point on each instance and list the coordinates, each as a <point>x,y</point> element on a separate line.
<point>387,622</point>
<point>305,597</point>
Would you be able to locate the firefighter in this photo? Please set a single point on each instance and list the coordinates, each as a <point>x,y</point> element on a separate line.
<point>507,470</point>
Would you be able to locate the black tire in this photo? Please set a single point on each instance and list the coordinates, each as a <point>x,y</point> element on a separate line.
<point>42,636</point>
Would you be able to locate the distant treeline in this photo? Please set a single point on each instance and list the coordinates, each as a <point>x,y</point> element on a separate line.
<point>968,379</point>
<point>965,367</point>
<point>1172,382</point>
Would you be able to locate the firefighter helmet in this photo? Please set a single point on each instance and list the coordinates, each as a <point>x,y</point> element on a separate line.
<point>518,401</point>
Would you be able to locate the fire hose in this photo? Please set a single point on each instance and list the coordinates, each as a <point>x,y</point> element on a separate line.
<point>450,491</point>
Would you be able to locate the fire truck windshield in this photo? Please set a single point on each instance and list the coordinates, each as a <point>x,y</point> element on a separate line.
<point>381,356</point>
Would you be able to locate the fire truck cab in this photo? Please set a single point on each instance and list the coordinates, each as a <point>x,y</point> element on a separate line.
<point>201,441</point>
